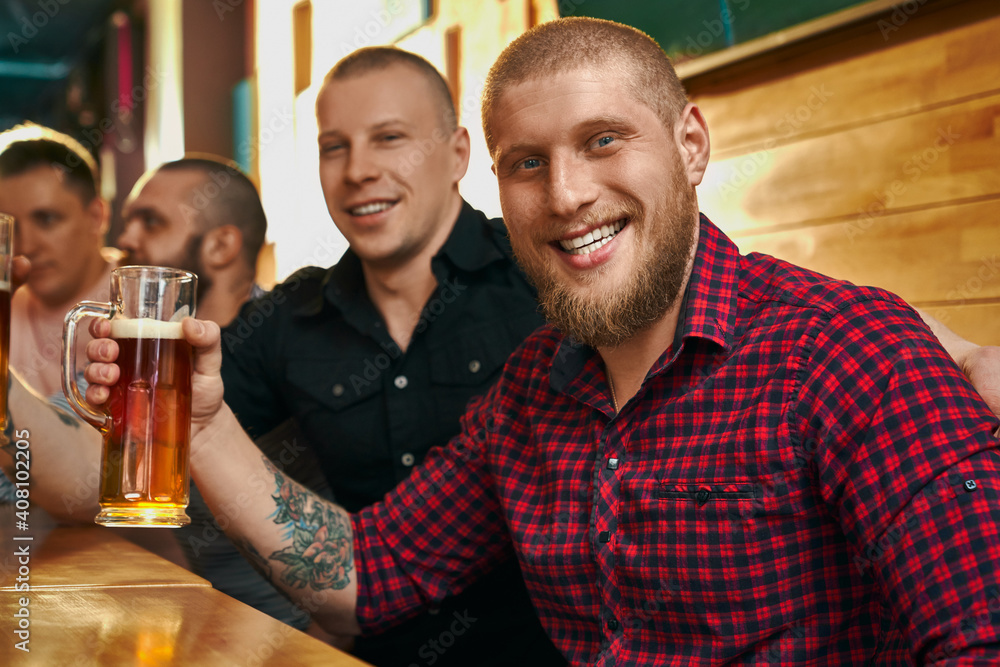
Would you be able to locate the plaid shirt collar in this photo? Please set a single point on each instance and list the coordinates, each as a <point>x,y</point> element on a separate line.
<point>708,312</point>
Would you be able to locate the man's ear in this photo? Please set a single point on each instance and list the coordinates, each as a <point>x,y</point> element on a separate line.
<point>691,135</point>
<point>221,246</point>
<point>99,212</point>
<point>460,144</point>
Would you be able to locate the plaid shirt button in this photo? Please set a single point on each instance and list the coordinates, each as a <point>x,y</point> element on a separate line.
<point>613,625</point>
<point>612,464</point>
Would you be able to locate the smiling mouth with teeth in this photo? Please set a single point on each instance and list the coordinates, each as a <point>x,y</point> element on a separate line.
<point>374,207</point>
<point>592,240</point>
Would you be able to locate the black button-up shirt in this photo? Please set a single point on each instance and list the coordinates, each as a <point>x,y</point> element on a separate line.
<point>315,349</point>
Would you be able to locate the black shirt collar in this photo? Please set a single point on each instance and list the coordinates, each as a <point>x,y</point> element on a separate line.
<point>470,246</point>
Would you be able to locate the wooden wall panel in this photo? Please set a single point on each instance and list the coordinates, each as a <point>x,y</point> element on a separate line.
<point>871,156</point>
<point>936,57</point>
<point>930,256</point>
<point>947,154</point>
<point>980,323</point>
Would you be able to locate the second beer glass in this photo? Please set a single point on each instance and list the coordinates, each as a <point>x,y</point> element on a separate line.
<point>6,255</point>
<point>147,423</point>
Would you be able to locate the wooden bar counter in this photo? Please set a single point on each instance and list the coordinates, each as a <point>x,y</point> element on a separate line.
<point>97,599</point>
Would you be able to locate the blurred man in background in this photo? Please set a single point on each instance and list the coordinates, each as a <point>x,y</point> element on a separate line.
<point>49,183</point>
<point>203,216</point>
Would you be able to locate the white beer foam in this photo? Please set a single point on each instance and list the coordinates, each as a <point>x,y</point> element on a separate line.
<point>4,286</point>
<point>145,328</point>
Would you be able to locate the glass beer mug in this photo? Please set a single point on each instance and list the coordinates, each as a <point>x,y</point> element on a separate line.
<point>146,422</point>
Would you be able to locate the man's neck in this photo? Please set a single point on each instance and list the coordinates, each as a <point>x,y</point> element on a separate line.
<point>400,291</point>
<point>222,301</point>
<point>628,364</point>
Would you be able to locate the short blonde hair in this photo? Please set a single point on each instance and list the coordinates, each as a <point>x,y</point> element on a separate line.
<point>378,58</point>
<point>567,44</point>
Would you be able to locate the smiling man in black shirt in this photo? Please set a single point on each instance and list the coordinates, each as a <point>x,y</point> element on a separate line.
<point>376,357</point>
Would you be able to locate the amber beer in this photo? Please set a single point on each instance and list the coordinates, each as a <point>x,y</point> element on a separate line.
<point>146,422</point>
<point>144,479</point>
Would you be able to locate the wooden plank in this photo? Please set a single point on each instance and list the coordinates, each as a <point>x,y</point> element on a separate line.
<point>91,556</point>
<point>942,254</point>
<point>935,58</point>
<point>980,322</point>
<point>154,626</point>
<point>945,155</point>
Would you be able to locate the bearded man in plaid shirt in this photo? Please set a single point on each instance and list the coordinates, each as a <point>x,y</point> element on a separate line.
<point>706,459</point>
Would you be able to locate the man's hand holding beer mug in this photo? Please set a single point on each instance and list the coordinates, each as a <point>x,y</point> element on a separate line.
<point>237,481</point>
<point>206,382</point>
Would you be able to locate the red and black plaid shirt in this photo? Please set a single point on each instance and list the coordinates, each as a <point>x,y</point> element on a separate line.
<point>804,478</point>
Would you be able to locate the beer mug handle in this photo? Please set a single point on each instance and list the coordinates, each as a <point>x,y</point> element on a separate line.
<point>76,400</point>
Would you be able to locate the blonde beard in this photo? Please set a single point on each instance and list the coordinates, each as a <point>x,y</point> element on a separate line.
<point>608,320</point>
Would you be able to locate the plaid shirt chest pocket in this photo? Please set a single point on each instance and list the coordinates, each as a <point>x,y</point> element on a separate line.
<point>708,551</point>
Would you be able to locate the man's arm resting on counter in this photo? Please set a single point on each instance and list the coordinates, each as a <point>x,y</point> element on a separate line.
<point>63,453</point>
<point>299,541</point>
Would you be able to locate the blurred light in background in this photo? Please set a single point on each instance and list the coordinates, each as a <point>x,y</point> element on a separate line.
<point>164,135</point>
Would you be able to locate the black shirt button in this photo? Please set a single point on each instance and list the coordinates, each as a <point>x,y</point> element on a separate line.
<point>604,537</point>
<point>970,485</point>
<point>613,625</point>
<point>702,496</point>
<point>612,464</point>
